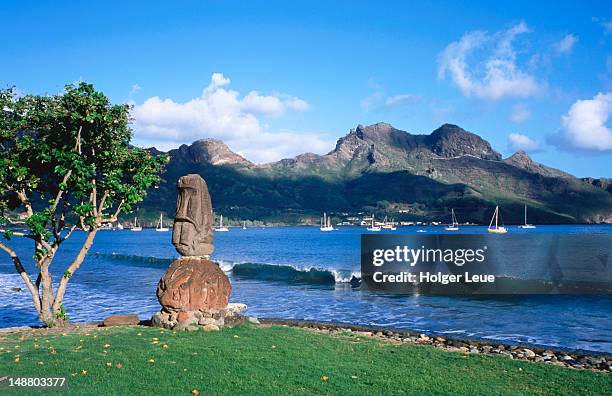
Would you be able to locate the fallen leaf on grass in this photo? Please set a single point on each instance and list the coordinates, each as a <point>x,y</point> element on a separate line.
<point>139,334</point>
<point>109,364</point>
<point>195,392</point>
<point>106,345</point>
<point>151,361</point>
<point>83,372</point>
<point>353,376</point>
<point>324,378</point>
<point>236,336</point>
<point>40,363</point>
<point>17,360</point>
<point>273,346</point>
<point>118,365</point>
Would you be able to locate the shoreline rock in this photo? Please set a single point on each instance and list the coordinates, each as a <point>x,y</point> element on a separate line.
<point>121,320</point>
<point>578,360</point>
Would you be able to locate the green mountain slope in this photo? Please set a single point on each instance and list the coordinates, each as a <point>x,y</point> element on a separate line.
<point>390,172</point>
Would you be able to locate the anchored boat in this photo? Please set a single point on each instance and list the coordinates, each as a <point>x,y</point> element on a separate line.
<point>326,223</point>
<point>526,225</point>
<point>497,228</point>
<point>221,228</point>
<point>373,227</point>
<point>454,226</point>
<point>135,226</point>
<point>160,225</point>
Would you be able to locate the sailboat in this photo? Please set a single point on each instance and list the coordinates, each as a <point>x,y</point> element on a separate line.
<point>454,226</point>
<point>244,225</point>
<point>136,227</point>
<point>326,223</point>
<point>373,227</point>
<point>497,228</point>
<point>388,225</point>
<point>526,225</point>
<point>160,225</point>
<point>119,226</point>
<point>221,228</point>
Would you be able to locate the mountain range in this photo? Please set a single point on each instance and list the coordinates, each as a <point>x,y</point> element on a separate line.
<point>383,170</point>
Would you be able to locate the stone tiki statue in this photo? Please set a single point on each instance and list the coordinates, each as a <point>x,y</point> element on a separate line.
<point>194,290</point>
<point>192,234</point>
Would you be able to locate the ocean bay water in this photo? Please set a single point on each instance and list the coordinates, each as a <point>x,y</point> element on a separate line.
<point>302,273</point>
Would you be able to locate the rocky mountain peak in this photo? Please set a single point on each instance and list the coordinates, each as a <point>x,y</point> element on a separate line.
<point>211,151</point>
<point>522,160</point>
<point>453,141</point>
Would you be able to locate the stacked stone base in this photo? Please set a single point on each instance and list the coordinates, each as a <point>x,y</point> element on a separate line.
<point>205,319</point>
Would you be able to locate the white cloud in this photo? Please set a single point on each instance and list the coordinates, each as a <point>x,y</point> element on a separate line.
<point>378,99</point>
<point>400,99</point>
<point>496,73</point>
<point>135,89</point>
<point>218,80</point>
<point>566,44</point>
<point>223,114</point>
<point>605,23</point>
<point>372,101</point>
<point>517,141</point>
<point>519,113</point>
<point>272,105</point>
<point>584,127</point>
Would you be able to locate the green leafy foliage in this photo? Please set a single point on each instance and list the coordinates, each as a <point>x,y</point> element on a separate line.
<point>62,313</point>
<point>77,144</point>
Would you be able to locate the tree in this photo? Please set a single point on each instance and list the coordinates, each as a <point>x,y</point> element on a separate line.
<point>66,164</point>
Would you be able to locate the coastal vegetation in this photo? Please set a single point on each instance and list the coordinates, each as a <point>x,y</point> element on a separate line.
<point>66,163</point>
<point>274,361</point>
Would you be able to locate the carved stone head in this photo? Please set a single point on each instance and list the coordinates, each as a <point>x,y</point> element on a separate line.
<point>192,234</point>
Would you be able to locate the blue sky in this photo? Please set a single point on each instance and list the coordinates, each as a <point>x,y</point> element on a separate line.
<point>274,79</point>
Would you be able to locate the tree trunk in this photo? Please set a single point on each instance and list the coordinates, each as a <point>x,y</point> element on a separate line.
<point>63,284</point>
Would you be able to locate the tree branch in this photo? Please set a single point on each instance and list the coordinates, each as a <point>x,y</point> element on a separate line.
<point>61,289</point>
<point>16,233</point>
<point>24,275</point>
<point>25,201</point>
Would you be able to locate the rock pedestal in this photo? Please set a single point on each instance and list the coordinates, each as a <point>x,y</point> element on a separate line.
<point>207,319</point>
<point>193,284</point>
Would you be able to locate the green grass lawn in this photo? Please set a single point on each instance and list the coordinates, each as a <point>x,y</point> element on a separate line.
<point>272,360</point>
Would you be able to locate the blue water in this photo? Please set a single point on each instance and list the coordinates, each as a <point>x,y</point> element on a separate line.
<point>302,273</point>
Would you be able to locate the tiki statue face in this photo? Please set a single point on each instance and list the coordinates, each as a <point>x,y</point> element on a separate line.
<point>192,234</point>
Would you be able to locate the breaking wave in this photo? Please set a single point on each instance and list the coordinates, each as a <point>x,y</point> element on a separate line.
<point>144,261</point>
<point>257,271</point>
<point>291,274</point>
